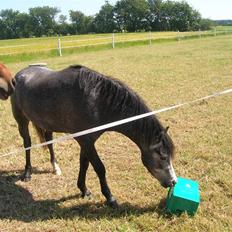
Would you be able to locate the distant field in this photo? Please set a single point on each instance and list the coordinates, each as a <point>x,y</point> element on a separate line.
<point>49,45</point>
<point>224,28</point>
<point>163,74</point>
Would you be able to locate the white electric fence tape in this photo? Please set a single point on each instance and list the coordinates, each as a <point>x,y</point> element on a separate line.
<point>113,124</point>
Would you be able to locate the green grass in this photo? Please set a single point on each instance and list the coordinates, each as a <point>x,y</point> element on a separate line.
<point>18,50</point>
<point>224,28</point>
<point>163,74</point>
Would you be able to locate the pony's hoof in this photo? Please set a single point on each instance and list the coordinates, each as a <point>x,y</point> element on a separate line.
<point>57,172</point>
<point>87,194</point>
<point>56,169</point>
<point>25,178</point>
<point>113,204</point>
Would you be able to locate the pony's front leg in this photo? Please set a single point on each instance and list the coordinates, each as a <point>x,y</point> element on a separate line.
<point>101,172</point>
<point>84,164</point>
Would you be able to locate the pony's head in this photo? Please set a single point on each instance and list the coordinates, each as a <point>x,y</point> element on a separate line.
<point>158,159</point>
<point>7,82</point>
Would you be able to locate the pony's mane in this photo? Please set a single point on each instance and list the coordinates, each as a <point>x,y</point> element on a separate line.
<point>117,93</point>
<point>121,99</point>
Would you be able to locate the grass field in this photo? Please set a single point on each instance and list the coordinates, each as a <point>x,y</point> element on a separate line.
<point>26,49</point>
<point>163,74</point>
<point>37,44</point>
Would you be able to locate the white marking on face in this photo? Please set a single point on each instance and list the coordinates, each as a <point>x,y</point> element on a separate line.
<point>167,174</point>
<point>172,172</point>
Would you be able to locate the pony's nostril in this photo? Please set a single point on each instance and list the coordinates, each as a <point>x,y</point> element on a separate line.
<point>173,182</point>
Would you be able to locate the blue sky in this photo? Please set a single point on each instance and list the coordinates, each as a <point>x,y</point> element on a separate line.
<point>213,9</point>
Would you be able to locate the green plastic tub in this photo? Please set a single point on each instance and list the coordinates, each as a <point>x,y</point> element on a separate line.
<point>184,196</point>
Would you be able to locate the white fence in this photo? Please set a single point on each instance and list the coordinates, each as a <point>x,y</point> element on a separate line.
<point>61,43</point>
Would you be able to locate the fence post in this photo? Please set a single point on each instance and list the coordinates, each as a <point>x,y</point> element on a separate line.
<point>150,38</point>
<point>113,41</point>
<point>215,31</point>
<point>200,33</point>
<point>59,47</point>
<point>178,36</point>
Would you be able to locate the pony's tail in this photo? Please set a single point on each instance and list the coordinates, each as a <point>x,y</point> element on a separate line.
<point>40,133</point>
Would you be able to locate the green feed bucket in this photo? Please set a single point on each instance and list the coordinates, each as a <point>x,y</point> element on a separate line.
<point>184,196</point>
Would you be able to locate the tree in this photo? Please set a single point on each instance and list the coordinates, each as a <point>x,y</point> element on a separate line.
<point>206,24</point>
<point>62,27</point>
<point>62,19</point>
<point>195,21</point>
<point>89,24</point>
<point>3,34</point>
<point>126,15</point>
<point>80,22</point>
<point>131,15</point>
<point>43,20</point>
<point>8,21</point>
<point>104,20</point>
<point>154,16</point>
<point>179,16</point>
<point>23,25</point>
<point>14,24</point>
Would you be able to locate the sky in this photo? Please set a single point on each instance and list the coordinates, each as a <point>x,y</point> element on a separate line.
<point>213,9</point>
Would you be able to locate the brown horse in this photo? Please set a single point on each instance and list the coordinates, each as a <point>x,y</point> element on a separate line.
<point>7,82</point>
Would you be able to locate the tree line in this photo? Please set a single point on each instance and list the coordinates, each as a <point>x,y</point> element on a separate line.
<point>225,22</point>
<point>124,16</point>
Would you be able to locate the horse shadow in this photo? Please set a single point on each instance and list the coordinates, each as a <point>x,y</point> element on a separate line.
<point>17,203</point>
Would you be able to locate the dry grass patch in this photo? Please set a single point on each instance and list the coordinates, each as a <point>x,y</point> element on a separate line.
<point>163,75</point>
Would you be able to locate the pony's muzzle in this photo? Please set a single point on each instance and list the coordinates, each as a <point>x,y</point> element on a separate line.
<point>168,184</point>
<point>173,182</point>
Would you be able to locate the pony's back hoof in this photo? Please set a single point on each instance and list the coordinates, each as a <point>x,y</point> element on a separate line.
<point>113,204</point>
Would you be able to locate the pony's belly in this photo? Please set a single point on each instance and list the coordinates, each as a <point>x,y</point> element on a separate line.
<point>61,123</point>
<point>58,117</point>
<point>60,127</point>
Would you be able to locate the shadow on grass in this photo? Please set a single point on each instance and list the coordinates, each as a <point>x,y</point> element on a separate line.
<point>17,203</point>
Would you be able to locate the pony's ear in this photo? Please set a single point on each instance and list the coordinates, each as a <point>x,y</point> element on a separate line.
<point>160,137</point>
<point>166,130</point>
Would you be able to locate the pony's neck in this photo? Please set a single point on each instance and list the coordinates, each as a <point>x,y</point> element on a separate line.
<point>142,132</point>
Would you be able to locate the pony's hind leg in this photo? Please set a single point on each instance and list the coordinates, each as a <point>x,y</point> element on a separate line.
<point>24,132</point>
<point>84,164</point>
<point>56,169</point>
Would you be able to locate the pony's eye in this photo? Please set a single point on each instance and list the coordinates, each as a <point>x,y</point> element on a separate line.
<point>163,151</point>
<point>163,157</point>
